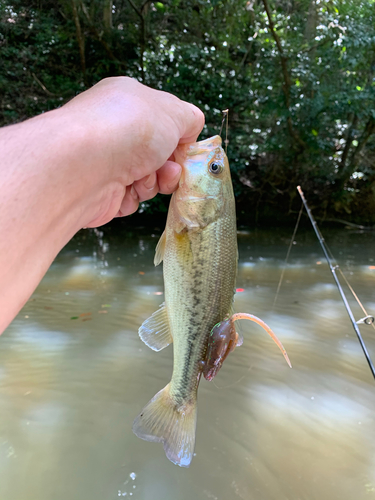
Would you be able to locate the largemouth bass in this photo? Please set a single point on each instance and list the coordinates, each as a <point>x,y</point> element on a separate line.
<point>199,250</point>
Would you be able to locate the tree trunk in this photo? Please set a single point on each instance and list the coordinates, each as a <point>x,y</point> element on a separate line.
<point>348,143</point>
<point>310,29</point>
<point>141,13</point>
<point>107,14</point>
<point>311,22</point>
<point>287,82</point>
<point>362,141</point>
<point>80,39</point>
<point>367,133</point>
<point>99,35</point>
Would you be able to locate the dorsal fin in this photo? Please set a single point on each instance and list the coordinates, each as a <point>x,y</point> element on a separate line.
<point>160,249</point>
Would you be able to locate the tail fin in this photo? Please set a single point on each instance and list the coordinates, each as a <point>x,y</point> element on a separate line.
<point>161,421</point>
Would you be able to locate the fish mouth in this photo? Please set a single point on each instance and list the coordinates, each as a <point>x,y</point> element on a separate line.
<point>195,198</point>
<point>200,147</point>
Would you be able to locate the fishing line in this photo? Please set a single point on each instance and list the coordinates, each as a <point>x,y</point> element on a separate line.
<point>225,119</point>
<point>228,386</point>
<point>287,256</point>
<point>368,319</point>
<point>232,384</point>
<point>333,270</point>
<point>222,123</point>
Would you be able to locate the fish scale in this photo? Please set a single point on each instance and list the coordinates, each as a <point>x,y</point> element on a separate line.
<point>213,290</point>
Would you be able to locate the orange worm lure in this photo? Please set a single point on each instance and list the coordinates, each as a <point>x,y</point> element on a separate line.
<point>223,340</point>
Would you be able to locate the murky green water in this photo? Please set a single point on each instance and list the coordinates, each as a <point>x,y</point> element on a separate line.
<point>74,374</point>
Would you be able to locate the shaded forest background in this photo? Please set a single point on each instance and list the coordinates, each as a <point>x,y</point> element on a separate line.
<point>296,75</point>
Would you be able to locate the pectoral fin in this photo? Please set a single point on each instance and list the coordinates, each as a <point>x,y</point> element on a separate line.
<point>155,331</point>
<point>160,249</point>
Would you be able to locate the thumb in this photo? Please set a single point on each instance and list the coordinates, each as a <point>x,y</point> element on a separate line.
<point>191,123</point>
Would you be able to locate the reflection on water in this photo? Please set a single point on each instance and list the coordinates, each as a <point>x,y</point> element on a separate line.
<point>74,374</point>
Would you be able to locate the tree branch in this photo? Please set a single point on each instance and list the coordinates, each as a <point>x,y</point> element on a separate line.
<point>135,8</point>
<point>51,94</point>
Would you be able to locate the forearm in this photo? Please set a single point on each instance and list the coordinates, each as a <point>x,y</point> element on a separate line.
<point>41,202</point>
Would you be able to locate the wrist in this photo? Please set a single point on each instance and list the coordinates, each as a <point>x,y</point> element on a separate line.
<point>98,160</point>
<point>85,170</point>
<point>68,172</point>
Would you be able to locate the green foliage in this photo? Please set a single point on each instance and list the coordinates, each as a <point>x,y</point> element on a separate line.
<point>300,92</point>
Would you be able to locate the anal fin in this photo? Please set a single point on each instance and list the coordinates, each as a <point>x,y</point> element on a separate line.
<point>155,331</point>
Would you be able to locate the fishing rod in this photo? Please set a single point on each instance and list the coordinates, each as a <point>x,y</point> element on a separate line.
<point>368,319</point>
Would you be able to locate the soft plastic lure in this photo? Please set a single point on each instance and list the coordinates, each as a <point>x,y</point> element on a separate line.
<point>224,338</point>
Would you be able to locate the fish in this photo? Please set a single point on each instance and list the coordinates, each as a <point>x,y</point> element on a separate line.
<point>199,252</point>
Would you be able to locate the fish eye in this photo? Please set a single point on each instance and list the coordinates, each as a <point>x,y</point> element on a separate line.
<point>216,168</point>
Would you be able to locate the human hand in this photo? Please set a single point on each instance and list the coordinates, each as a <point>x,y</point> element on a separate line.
<point>79,166</point>
<point>132,132</point>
